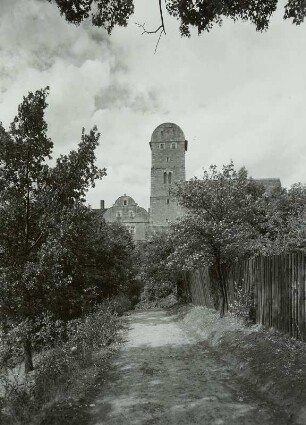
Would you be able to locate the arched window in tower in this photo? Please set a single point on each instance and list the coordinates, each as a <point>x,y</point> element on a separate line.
<point>169,177</point>
<point>165,177</point>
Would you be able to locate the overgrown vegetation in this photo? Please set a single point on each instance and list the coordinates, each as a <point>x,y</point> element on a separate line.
<point>159,280</point>
<point>68,349</point>
<point>228,217</point>
<point>59,261</point>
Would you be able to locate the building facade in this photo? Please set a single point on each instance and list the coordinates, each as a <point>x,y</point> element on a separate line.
<point>131,215</point>
<point>168,147</point>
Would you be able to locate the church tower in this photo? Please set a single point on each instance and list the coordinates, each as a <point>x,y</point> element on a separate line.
<point>168,146</point>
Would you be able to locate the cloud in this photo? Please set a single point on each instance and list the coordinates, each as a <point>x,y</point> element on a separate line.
<point>236,94</point>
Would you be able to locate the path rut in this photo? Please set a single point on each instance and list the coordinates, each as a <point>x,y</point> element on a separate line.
<point>164,376</point>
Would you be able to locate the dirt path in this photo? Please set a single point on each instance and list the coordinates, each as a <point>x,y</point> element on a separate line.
<point>162,376</point>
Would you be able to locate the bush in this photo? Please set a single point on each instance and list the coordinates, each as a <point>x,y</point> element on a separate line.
<point>23,397</point>
<point>94,331</point>
<point>242,304</point>
<point>120,304</point>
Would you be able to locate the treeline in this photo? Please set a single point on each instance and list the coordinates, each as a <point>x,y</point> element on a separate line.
<point>58,260</point>
<point>228,217</point>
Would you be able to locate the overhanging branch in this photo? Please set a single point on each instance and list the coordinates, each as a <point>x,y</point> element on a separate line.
<point>161,29</point>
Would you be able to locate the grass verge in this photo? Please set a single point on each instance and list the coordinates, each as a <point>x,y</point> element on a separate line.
<point>270,363</point>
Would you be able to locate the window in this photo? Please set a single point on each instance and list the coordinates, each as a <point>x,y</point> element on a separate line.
<point>125,202</point>
<point>162,145</point>
<point>165,177</point>
<point>131,214</point>
<point>167,159</point>
<point>173,145</point>
<point>168,201</point>
<point>118,214</point>
<point>169,178</point>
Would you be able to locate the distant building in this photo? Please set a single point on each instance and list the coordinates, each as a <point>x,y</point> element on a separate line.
<point>127,212</point>
<point>168,148</point>
<point>269,184</point>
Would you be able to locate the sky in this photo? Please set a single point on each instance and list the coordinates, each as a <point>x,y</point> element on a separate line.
<point>237,94</point>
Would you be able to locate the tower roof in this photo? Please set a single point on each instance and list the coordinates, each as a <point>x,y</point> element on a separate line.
<point>167,132</point>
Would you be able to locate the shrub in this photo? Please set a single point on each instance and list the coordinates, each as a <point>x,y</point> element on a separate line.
<point>242,304</point>
<point>120,304</point>
<point>24,396</point>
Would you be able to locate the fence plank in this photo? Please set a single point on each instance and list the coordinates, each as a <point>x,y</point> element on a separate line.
<point>277,283</point>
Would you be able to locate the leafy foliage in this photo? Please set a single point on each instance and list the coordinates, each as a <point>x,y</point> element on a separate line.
<point>104,13</point>
<point>218,227</point>
<point>57,258</point>
<point>281,219</point>
<point>199,14</point>
<point>204,14</point>
<point>73,351</point>
<point>220,212</point>
<point>158,280</point>
<point>230,217</point>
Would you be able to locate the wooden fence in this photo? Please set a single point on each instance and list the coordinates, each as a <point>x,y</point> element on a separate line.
<point>276,284</point>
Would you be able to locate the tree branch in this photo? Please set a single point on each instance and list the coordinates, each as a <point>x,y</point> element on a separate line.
<point>161,29</point>
<point>161,16</point>
<point>149,32</point>
<point>35,243</point>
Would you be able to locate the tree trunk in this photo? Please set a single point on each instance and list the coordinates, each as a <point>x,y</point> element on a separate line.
<point>223,304</point>
<point>224,296</point>
<point>28,360</point>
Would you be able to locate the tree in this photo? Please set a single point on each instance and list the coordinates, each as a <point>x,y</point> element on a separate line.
<point>280,219</point>
<point>37,207</point>
<point>22,176</point>
<point>219,225</point>
<point>201,14</point>
<point>158,279</point>
<point>104,13</point>
<point>112,260</point>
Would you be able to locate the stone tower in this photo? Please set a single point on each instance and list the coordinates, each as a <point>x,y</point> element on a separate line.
<point>168,146</point>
